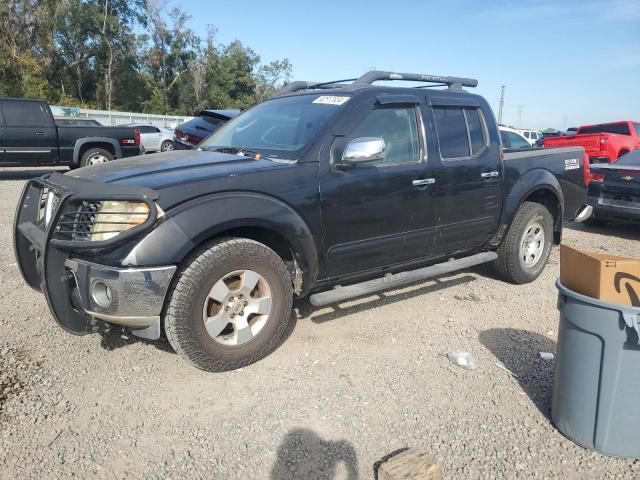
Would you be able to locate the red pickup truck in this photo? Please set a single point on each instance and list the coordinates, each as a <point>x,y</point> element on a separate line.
<point>604,143</point>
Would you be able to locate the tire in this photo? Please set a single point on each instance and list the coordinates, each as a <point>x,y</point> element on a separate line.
<point>95,156</point>
<point>199,292</point>
<point>516,262</point>
<point>166,146</point>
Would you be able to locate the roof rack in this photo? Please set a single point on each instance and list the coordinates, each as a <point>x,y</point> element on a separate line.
<point>454,83</point>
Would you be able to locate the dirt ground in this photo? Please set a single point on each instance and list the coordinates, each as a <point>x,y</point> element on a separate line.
<point>350,386</point>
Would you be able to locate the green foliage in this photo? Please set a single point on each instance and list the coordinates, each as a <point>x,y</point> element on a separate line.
<point>86,53</point>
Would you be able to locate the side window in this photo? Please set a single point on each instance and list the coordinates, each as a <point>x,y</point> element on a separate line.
<point>398,127</point>
<point>517,141</point>
<point>505,139</point>
<point>452,132</point>
<point>461,131</point>
<point>27,114</point>
<point>476,129</point>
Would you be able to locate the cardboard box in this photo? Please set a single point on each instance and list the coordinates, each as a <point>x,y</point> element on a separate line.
<point>606,277</point>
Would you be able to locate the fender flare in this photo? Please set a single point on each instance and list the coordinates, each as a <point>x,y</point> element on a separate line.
<point>190,224</point>
<point>534,181</point>
<point>83,141</point>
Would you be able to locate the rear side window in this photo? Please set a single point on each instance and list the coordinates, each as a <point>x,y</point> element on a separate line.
<point>461,131</point>
<point>617,128</point>
<point>17,114</point>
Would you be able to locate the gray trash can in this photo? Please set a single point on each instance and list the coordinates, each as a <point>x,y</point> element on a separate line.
<point>596,391</point>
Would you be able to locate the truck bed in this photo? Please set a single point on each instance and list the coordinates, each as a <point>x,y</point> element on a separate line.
<point>566,164</point>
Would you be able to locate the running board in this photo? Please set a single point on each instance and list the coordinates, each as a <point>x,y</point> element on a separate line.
<point>340,294</point>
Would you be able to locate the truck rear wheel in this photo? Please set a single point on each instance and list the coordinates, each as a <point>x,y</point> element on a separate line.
<point>230,305</point>
<point>95,156</point>
<point>525,250</point>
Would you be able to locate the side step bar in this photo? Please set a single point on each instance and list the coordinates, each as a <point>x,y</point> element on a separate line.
<point>340,294</point>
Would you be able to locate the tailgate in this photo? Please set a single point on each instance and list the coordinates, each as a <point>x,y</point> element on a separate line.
<point>590,142</point>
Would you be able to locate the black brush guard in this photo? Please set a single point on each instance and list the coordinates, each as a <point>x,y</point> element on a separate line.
<point>41,255</point>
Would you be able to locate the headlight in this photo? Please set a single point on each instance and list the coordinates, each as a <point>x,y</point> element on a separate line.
<point>114,217</point>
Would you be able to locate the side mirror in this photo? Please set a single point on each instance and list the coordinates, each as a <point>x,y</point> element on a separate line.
<point>364,149</point>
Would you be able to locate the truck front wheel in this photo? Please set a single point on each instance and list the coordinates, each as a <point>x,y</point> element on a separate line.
<point>230,305</point>
<point>525,250</point>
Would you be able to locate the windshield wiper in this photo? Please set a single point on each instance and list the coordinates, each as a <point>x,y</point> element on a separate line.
<point>241,151</point>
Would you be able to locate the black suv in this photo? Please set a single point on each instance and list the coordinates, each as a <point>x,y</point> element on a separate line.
<point>331,190</point>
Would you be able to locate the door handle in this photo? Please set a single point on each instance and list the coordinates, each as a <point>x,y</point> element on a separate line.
<point>423,181</point>
<point>41,134</point>
<point>490,174</point>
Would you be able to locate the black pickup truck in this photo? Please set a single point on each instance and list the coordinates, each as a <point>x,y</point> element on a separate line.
<point>331,191</point>
<point>29,136</point>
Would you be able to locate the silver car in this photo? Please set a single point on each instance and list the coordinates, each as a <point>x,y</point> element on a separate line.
<point>155,139</point>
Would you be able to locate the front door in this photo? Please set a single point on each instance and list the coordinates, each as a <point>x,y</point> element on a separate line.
<point>469,179</point>
<point>378,213</point>
<point>29,135</point>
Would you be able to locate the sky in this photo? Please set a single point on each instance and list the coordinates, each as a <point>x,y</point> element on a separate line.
<point>564,63</point>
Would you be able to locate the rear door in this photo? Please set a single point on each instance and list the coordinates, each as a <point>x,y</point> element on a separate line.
<point>379,213</point>
<point>469,179</point>
<point>29,133</point>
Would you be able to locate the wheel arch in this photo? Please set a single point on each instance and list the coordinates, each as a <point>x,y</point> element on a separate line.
<point>84,144</point>
<point>623,151</point>
<point>245,215</point>
<point>538,186</point>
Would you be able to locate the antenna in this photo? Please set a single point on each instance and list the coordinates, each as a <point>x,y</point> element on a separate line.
<point>502,88</point>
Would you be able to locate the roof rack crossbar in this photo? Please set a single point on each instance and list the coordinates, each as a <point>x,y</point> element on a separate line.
<point>454,83</point>
<point>378,75</point>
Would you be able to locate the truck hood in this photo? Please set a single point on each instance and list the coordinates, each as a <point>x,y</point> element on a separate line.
<point>171,168</point>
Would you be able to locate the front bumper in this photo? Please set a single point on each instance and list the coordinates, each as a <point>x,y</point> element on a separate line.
<point>130,297</point>
<point>81,293</point>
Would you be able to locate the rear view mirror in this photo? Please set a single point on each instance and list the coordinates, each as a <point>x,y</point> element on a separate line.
<point>364,149</point>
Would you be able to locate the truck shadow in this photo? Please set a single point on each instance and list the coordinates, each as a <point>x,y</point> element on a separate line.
<point>306,310</point>
<point>304,455</point>
<point>628,231</point>
<point>519,351</point>
<point>115,338</point>
<point>27,174</point>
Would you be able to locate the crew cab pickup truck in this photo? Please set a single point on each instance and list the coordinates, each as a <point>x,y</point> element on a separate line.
<point>604,143</point>
<point>329,191</point>
<point>29,136</point>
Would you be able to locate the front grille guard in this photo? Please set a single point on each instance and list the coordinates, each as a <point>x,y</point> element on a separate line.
<point>41,256</point>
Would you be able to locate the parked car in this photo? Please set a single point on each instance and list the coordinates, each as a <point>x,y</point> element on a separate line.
<point>571,130</point>
<point>604,143</point>
<point>614,191</point>
<point>512,139</point>
<point>532,136</point>
<point>76,122</point>
<point>29,136</point>
<point>324,191</point>
<point>191,133</point>
<point>547,134</point>
<point>154,139</point>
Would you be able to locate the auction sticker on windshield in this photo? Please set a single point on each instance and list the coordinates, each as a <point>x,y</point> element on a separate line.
<point>331,100</point>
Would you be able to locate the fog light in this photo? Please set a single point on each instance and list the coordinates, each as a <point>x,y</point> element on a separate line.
<point>101,293</point>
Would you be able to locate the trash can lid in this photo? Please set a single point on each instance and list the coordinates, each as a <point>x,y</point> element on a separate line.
<point>630,314</point>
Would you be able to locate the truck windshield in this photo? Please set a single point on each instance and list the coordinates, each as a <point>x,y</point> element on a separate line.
<point>280,128</point>
<point>618,128</point>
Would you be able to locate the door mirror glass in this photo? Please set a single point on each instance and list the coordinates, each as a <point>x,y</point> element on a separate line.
<point>364,149</point>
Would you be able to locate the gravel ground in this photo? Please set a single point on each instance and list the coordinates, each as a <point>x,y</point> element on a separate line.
<point>350,386</point>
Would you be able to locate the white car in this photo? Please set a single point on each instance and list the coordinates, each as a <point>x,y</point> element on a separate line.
<point>532,136</point>
<point>512,139</point>
<point>155,139</point>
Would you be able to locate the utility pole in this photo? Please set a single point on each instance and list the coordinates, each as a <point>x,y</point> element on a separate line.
<point>520,110</point>
<point>501,104</point>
